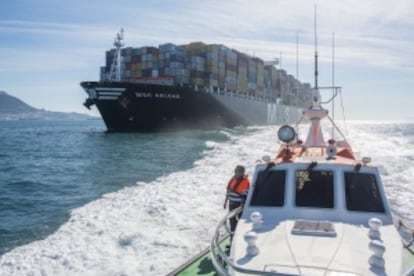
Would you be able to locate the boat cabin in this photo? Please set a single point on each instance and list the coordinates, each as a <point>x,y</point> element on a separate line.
<point>316,219</point>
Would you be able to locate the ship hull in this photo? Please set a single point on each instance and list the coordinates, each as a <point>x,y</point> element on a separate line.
<point>149,107</point>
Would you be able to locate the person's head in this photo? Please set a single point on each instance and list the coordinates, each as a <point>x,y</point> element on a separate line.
<point>239,171</point>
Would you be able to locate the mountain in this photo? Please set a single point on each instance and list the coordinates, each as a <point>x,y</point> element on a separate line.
<point>12,105</point>
<point>12,108</point>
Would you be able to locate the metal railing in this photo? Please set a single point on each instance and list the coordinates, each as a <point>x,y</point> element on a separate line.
<point>222,263</point>
<point>406,231</point>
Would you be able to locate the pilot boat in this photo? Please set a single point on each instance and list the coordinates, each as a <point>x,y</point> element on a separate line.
<point>317,208</point>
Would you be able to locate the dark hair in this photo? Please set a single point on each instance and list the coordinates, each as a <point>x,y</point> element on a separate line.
<point>240,167</point>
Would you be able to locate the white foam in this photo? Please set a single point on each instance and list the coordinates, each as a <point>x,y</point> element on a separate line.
<point>152,228</point>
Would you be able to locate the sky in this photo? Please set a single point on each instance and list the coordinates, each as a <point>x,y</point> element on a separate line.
<point>47,47</point>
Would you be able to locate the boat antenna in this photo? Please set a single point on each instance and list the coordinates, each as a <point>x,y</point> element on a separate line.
<point>297,55</point>
<point>333,82</point>
<point>316,53</point>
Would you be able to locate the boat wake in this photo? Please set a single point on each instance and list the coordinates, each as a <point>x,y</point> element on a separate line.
<point>150,229</point>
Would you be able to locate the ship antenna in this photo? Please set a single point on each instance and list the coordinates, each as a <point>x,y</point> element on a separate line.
<point>116,65</point>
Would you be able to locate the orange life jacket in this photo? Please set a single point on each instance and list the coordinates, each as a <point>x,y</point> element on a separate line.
<point>237,188</point>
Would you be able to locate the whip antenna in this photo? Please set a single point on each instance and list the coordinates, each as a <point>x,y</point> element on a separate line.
<point>333,81</point>
<point>316,54</point>
<point>297,55</point>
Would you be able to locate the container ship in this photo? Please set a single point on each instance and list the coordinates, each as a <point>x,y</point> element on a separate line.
<point>196,85</point>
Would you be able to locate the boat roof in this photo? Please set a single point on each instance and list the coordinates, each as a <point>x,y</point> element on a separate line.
<point>315,218</point>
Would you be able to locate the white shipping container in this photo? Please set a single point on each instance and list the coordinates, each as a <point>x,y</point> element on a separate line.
<point>154,73</point>
<point>231,80</point>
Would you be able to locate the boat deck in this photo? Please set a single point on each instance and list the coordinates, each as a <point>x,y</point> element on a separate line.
<point>201,264</point>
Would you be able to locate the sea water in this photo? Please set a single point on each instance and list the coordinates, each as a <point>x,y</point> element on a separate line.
<point>75,200</point>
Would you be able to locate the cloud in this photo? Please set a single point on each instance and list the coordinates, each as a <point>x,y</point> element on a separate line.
<point>53,31</point>
<point>38,61</point>
<point>265,28</point>
<point>71,38</point>
<point>32,46</point>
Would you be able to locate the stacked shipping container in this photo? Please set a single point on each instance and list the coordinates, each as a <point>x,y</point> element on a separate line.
<point>213,66</point>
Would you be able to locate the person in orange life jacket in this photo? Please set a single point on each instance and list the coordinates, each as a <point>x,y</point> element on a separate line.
<point>237,190</point>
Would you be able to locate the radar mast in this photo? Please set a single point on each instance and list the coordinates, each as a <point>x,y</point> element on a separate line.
<point>115,73</point>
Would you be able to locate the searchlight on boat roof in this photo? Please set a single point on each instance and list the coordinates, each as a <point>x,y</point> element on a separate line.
<point>366,160</point>
<point>286,134</point>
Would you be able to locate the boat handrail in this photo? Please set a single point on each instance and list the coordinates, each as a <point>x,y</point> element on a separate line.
<point>218,256</point>
<point>220,259</point>
<point>401,224</point>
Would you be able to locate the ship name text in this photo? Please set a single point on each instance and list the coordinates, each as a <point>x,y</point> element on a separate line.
<point>157,95</point>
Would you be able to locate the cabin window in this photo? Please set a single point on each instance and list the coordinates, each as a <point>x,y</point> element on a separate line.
<point>314,189</point>
<point>269,189</point>
<point>362,193</point>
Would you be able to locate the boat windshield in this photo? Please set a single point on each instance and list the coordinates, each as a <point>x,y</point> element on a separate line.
<point>269,189</point>
<point>314,189</point>
<point>362,193</point>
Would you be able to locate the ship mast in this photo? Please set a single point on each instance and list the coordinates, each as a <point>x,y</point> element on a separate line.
<point>116,65</point>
